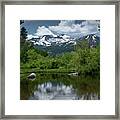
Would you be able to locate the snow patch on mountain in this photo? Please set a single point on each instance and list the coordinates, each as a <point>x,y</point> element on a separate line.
<point>49,40</point>
<point>62,41</point>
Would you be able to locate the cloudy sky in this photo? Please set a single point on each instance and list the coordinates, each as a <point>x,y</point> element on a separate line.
<point>73,28</point>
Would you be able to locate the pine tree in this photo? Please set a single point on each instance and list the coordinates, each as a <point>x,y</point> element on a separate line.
<point>23,35</point>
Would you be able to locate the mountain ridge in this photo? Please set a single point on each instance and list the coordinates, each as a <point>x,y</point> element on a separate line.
<point>58,44</point>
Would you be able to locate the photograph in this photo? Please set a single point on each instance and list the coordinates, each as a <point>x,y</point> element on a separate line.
<point>59,59</point>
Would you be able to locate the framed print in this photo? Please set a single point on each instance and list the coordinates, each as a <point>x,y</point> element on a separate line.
<point>60,59</point>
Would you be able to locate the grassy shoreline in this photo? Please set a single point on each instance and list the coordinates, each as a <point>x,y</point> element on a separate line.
<point>37,70</point>
<point>54,71</point>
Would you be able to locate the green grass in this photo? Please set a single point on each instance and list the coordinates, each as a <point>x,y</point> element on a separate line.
<point>37,70</point>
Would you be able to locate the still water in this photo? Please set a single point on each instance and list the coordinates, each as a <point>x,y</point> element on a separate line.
<point>60,87</point>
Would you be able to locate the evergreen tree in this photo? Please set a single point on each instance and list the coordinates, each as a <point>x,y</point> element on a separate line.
<point>21,22</point>
<point>23,35</point>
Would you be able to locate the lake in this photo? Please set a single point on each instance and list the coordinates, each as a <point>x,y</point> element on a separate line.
<point>60,86</point>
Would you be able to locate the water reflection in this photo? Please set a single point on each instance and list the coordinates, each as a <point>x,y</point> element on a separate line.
<point>60,87</point>
<point>55,91</point>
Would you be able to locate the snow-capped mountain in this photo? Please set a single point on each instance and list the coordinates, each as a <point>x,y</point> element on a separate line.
<point>92,39</point>
<point>57,44</point>
<point>49,40</point>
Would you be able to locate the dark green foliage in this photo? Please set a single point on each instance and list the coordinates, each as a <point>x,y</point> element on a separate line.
<point>23,35</point>
<point>83,44</point>
<point>88,60</point>
<point>23,44</point>
<point>83,59</point>
<point>23,55</point>
<point>21,22</point>
<point>43,53</point>
<point>24,51</point>
<point>54,65</point>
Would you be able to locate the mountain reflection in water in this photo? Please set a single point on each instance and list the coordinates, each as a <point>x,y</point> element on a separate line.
<point>54,87</point>
<point>52,91</point>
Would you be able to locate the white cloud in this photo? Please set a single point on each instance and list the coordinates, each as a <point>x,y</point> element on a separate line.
<point>43,31</point>
<point>66,22</point>
<point>69,28</point>
<point>31,36</point>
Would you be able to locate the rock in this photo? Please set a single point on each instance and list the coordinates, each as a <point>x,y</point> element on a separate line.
<point>32,76</point>
<point>73,74</point>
